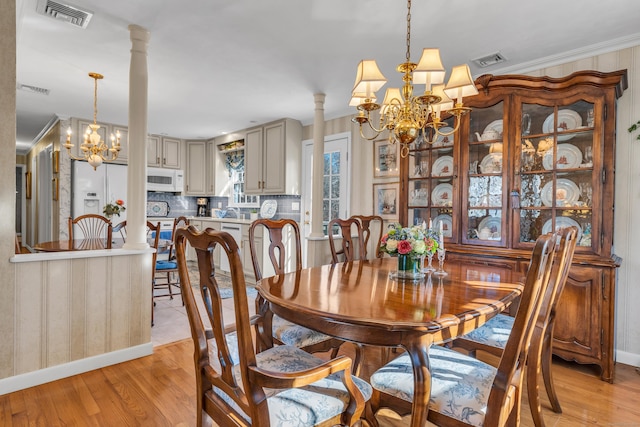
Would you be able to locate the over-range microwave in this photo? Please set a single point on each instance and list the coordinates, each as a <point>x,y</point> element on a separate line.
<point>167,180</point>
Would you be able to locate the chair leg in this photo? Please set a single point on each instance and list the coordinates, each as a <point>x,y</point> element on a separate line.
<point>533,388</point>
<point>546,372</point>
<point>357,360</point>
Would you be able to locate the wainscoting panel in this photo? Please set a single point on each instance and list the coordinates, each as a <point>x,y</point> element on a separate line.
<point>75,308</point>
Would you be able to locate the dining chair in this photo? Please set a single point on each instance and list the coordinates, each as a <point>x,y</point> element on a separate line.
<point>154,231</point>
<point>121,228</point>
<point>465,390</point>
<point>169,268</point>
<point>371,225</point>
<point>282,331</point>
<point>92,226</point>
<point>348,246</point>
<point>281,384</point>
<point>493,335</point>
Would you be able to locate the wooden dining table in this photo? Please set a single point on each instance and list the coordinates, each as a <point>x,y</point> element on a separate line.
<point>362,302</point>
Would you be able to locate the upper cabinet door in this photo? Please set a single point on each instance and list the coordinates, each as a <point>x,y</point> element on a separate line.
<point>253,161</point>
<point>196,170</point>
<point>432,195</point>
<point>171,153</point>
<point>485,160</point>
<point>154,151</point>
<point>559,169</point>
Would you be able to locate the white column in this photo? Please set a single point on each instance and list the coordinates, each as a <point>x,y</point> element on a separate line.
<point>318,166</point>
<point>137,170</point>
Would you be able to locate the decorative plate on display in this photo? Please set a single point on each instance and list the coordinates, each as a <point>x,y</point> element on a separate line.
<point>562,222</point>
<point>268,209</point>
<point>443,166</point>
<point>442,195</point>
<point>157,209</point>
<point>567,120</point>
<point>567,193</point>
<point>494,225</point>
<point>495,126</point>
<point>444,140</point>
<point>569,157</point>
<point>447,224</point>
<point>491,163</point>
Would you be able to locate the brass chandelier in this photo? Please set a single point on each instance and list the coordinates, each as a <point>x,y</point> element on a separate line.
<point>403,114</point>
<point>93,149</point>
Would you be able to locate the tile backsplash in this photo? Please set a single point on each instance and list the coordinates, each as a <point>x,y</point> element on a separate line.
<point>186,205</point>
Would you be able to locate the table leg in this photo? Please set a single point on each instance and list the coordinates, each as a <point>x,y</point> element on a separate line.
<point>419,354</point>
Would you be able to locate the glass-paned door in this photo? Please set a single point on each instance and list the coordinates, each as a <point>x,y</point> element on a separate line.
<point>484,195</point>
<point>556,169</point>
<point>431,180</point>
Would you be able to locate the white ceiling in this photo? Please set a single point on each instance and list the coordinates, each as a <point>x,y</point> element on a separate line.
<point>218,66</point>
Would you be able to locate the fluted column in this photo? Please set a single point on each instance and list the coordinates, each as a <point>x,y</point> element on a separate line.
<point>137,170</point>
<point>318,166</point>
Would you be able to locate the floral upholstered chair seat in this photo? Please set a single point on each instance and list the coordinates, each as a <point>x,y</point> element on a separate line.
<point>494,333</point>
<point>290,333</point>
<point>306,406</point>
<point>460,384</point>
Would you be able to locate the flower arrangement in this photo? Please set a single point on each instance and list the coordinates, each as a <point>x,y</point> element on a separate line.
<point>115,208</point>
<point>416,241</point>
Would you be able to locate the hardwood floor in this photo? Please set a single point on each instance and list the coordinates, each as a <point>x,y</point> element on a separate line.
<point>158,390</point>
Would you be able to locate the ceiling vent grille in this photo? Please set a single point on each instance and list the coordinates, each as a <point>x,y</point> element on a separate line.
<point>33,89</point>
<point>64,12</point>
<point>485,61</point>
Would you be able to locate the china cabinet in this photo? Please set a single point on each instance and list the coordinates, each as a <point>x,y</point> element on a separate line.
<point>534,154</point>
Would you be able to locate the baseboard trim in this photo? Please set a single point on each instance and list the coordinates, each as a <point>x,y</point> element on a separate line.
<point>53,373</point>
<point>627,358</point>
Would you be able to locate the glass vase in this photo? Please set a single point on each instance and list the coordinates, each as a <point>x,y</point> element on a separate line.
<point>409,268</point>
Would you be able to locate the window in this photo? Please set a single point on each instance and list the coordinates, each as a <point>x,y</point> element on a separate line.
<point>238,198</point>
<point>234,162</point>
<point>330,188</point>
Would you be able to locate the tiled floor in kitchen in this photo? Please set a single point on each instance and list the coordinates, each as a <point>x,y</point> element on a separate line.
<point>171,323</point>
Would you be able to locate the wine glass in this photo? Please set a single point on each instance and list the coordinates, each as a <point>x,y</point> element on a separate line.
<point>440,271</point>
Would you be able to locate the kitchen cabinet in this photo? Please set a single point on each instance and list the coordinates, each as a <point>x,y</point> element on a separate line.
<point>190,252</point>
<point>535,154</point>
<point>196,168</point>
<point>154,151</point>
<point>212,157</point>
<point>123,155</point>
<point>272,158</point>
<point>164,152</point>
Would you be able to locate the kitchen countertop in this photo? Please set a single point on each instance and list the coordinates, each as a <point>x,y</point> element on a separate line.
<point>211,218</point>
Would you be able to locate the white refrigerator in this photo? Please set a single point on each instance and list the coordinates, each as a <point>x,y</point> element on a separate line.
<point>92,189</point>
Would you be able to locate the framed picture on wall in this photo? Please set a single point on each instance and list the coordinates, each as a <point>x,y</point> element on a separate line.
<point>385,200</point>
<point>386,159</point>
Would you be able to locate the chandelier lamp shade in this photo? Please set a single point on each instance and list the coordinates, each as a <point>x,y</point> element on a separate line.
<point>402,113</point>
<point>93,149</point>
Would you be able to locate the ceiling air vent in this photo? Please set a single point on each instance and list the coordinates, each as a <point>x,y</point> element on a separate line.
<point>485,61</point>
<point>32,89</point>
<point>64,12</point>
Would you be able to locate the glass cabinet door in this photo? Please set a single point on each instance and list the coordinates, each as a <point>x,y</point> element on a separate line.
<point>555,171</point>
<point>484,197</point>
<point>431,181</point>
